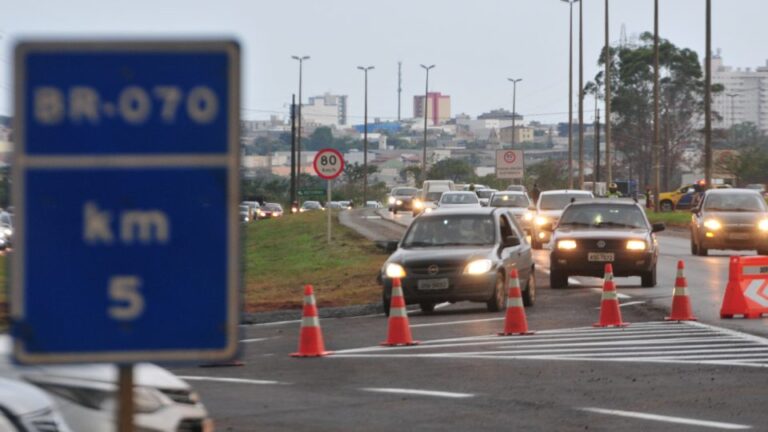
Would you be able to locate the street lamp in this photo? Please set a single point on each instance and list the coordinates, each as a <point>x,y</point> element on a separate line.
<point>514,97</point>
<point>570,94</point>
<point>581,95</point>
<point>298,137</point>
<point>365,70</point>
<point>426,96</point>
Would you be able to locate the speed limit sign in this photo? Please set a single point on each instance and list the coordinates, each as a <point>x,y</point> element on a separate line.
<point>328,163</point>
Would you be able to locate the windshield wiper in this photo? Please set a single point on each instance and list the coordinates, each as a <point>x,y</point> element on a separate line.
<point>614,224</point>
<point>419,244</point>
<point>581,224</point>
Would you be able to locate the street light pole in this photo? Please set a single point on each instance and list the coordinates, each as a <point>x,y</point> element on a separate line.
<point>608,156</point>
<point>514,109</point>
<point>300,59</point>
<point>581,95</point>
<point>708,99</point>
<point>426,105</point>
<point>570,94</point>
<point>656,154</point>
<point>365,70</point>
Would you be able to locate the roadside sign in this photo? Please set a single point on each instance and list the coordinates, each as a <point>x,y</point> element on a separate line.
<point>509,164</point>
<point>311,192</point>
<point>126,184</point>
<point>328,163</point>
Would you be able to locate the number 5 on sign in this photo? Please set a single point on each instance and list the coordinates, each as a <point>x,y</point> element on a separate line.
<point>128,303</point>
<point>328,165</point>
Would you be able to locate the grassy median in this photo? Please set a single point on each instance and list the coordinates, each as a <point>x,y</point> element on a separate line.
<point>675,218</point>
<point>281,255</point>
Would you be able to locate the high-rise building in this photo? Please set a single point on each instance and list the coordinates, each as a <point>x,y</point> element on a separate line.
<point>745,95</point>
<point>325,110</point>
<point>438,107</point>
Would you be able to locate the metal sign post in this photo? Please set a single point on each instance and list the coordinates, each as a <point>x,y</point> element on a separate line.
<point>125,398</point>
<point>328,164</point>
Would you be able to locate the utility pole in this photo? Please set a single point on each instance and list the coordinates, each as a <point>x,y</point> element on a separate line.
<point>656,154</point>
<point>608,160</point>
<point>570,95</point>
<point>293,152</point>
<point>514,109</point>
<point>365,70</point>
<point>298,129</point>
<point>399,87</point>
<point>581,95</point>
<point>596,177</point>
<point>426,105</point>
<point>708,100</point>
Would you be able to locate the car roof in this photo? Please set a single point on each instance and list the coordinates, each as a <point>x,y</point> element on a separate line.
<point>727,191</point>
<point>510,192</point>
<point>566,191</point>
<point>482,211</point>
<point>621,202</point>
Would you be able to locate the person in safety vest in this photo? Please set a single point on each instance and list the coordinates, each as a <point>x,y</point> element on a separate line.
<point>613,191</point>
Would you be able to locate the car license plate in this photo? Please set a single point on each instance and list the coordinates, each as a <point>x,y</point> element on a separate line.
<point>433,284</point>
<point>739,236</point>
<point>600,256</point>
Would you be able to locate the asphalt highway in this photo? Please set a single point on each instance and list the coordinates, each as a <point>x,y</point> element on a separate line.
<point>568,376</point>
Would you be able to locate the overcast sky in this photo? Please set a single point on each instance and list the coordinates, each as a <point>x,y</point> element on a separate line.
<point>476,45</point>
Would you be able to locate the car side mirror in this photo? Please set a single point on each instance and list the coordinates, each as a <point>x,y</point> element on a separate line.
<point>388,246</point>
<point>511,241</point>
<point>658,227</point>
<point>695,210</point>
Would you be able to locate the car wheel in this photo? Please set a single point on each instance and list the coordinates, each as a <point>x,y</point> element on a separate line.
<point>427,307</point>
<point>701,250</point>
<point>394,211</point>
<point>529,295</point>
<point>648,279</point>
<point>496,303</point>
<point>558,279</point>
<point>666,206</point>
<point>535,244</point>
<point>762,251</point>
<point>385,302</point>
<point>694,247</point>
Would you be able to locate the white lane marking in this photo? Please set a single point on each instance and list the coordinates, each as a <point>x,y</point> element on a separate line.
<point>753,338</point>
<point>275,323</point>
<point>228,380</point>
<point>574,281</point>
<point>618,294</point>
<point>632,303</point>
<point>456,322</point>
<point>254,340</point>
<point>442,305</point>
<point>634,350</point>
<point>668,419</point>
<point>417,392</point>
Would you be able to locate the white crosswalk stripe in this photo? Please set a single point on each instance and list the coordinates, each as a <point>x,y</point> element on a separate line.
<point>656,342</point>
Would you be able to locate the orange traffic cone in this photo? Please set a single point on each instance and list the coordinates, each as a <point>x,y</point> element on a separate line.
<point>399,331</point>
<point>681,304</point>
<point>311,337</point>
<point>610,313</point>
<point>515,322</point>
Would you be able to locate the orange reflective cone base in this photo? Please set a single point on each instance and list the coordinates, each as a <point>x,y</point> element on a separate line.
<point>610,313</point>
<point>310,337</point>
<point>515,322</point>
<point>399,330</point>
<point>681,304</point>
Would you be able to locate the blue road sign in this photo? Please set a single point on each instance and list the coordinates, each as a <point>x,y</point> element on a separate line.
<point>126,185</point>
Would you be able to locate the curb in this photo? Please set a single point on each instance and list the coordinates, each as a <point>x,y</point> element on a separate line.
<point>384,213</point>
<point>295,314</point>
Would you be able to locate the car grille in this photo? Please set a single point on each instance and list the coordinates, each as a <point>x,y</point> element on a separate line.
<point>442,270</point>
<point>190,425</point>
<point>45,426</point>
<point>181,396</point>
<point>591,244</point>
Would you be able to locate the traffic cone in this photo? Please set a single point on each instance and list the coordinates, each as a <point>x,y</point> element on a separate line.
<point>515,322</point>
<point>311,337</point>
<point>610,313</point>
<point>681,304</point>
<point>399,331</point>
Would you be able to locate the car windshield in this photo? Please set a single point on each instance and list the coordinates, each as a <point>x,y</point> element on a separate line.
<point>603,216</point>
<point>559,201</point>
<point>735,202</point>
<point>509,200</point>
<point>273,207</point>
<point>311,204</point>
<point>485,193</point>
<point>404,191</point>
<point>459,198</point>
<point>433,196</point>
<point>6,219</point>
<point>452,230</point>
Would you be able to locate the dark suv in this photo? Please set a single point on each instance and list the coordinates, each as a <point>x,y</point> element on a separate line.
<point>401,198</point>
<point>590,234</point>
<point>460,254</point>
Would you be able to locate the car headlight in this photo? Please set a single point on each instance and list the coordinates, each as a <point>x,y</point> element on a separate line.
<point>146,399</point>
<point>478,267</point>
<point>636,245</point>
<point>428,210</point>
<point>417,204</point>
<point>566,244</point>
<point>395,271</point>
<point>540,220</point>
<point>8,232</point>
<point>262,214</point>
<point>712,224</point>
<point>399,202</point>
<point>763,225</point>
<point>528,216</point>
<point>391,200</point>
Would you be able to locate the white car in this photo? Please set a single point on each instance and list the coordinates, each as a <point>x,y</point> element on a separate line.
<point>455,199</point>
<point>85,395</point>
<point>548,210</point>
<point>25,408</point>
<point>485,195</point>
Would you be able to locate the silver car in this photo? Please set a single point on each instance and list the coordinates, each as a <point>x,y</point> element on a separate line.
<point>25,408</point>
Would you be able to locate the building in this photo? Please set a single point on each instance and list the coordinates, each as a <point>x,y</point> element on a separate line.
<point>438,107</point>
<point>522,135</point>
<point>500,114</point>
<point>326,110</point>
<point>745,97</point>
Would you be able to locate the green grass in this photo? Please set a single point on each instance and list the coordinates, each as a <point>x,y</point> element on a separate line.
<point>675,218</point>
<point>284,254</point>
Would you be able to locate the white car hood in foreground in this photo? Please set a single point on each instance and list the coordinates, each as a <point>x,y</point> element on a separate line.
<point>21,398</point>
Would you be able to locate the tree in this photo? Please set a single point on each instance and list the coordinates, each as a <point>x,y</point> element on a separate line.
<point>411,172</point>
<point>321,138</point>
<point>549,174</point>
<point>458,170</point>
